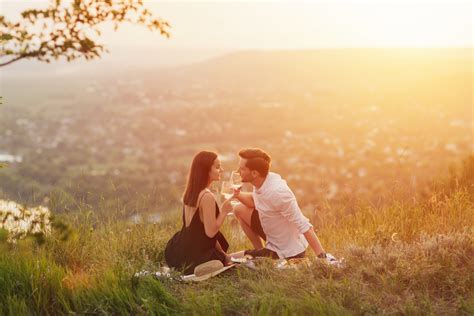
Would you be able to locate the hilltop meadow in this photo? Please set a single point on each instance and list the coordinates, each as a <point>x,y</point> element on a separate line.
<point>402,258</point>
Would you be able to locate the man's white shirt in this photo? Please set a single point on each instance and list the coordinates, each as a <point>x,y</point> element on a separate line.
<point>281,217</point>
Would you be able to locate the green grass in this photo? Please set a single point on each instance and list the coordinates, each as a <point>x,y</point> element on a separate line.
<point>411,259</point>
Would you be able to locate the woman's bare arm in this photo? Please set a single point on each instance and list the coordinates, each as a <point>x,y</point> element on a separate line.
<point>211,223</point>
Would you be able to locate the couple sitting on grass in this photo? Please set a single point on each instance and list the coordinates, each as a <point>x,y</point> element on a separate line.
<point>270,212</point>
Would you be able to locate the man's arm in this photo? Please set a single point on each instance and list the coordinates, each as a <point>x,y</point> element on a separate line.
<point>288,205</point>
<point>245,198</point>
<point>314,242</point>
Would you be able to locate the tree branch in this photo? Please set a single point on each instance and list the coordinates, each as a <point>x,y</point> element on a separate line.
<point>12,61</point>
<point>65,31</point>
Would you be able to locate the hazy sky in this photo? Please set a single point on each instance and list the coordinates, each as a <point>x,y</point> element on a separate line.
<point>199,26</point>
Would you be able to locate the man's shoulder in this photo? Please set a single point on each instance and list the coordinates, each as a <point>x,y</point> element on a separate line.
<point>280,191</point>
<point>274,175</point>
<point>275,188</point>
<point>278,183</point>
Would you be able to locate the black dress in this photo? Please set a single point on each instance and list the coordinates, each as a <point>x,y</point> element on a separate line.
<point>191,246</point>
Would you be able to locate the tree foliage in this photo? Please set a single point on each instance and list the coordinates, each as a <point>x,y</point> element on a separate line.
<point>69,29</point>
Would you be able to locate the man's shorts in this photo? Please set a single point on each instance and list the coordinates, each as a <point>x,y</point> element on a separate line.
<point>256,226</point>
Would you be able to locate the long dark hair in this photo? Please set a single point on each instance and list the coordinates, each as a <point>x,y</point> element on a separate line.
<point>198,178</point>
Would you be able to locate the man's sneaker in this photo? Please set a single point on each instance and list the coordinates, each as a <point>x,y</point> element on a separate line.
<point>330,259</point>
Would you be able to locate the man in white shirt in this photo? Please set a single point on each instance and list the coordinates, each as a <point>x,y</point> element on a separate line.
<point>271,212</point>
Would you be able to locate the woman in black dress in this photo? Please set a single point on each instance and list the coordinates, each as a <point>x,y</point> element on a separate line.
<point>200,240</point>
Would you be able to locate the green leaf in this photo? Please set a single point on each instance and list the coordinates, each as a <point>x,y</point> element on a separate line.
<point>5,37</point>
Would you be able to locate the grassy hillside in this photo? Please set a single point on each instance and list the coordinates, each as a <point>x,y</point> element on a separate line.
<point>400,259</point>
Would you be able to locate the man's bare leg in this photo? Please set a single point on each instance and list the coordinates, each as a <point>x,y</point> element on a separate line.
<point>244,215</point>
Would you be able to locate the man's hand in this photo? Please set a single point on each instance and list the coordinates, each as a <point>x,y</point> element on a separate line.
<point>236,193</point>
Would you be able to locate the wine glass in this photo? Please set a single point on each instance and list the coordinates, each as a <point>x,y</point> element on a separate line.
<point>227,190</point>
<point>236,180</point>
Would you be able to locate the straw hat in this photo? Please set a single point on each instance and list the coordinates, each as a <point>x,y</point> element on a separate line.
<point>206,270</point>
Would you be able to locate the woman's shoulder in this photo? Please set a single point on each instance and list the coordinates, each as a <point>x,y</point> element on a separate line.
<point>206,194</point>
<point>207,197</point>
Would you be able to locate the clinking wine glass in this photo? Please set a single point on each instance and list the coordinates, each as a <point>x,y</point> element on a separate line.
<point>227,190</point>
<point>236,180</point>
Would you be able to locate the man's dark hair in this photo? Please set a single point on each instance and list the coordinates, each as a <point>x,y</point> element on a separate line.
<point>257,160</point>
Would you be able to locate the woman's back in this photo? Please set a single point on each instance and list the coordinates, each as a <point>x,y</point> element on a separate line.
<point>190,211</point>
<point>191,246</point>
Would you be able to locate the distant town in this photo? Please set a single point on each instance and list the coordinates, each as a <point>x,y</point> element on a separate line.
<point>335,139</point>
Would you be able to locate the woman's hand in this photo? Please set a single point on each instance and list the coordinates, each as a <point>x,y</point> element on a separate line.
<point>227,206</point>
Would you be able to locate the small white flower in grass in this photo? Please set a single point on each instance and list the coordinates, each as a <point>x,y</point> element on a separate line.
<point>20,221</point>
